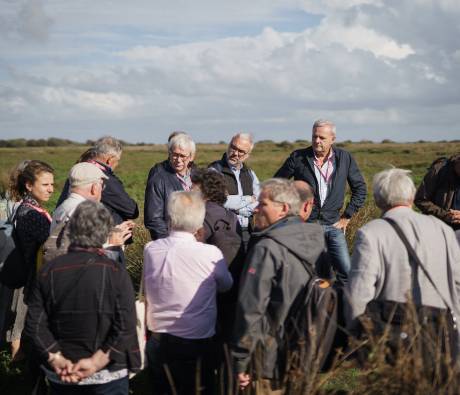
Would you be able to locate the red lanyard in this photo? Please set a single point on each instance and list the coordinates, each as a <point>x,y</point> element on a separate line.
<point>40,210</point>
<point>98,165</point>
<point>182,179</point>
<point>327,175</point>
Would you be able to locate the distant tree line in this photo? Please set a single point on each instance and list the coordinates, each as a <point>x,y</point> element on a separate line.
<point>49,142</point>
<point>56,142</point>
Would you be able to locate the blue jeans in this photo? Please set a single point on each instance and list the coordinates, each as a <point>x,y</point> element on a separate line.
<point>337,249</point>
<point>115,387</point>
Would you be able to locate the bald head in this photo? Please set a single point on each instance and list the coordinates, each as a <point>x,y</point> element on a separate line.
<point>306,196</point>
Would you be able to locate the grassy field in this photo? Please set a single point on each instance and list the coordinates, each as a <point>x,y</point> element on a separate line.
<point>267,157</point>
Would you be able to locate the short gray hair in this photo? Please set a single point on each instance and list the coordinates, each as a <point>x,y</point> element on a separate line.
<point>108,146</point>
<point>324,122</point>
<point>393,187</point>
<point>182,141</point>
<point>281,190</point>
<point>305,190</point>
<point>90,225</point>
<point>244,136</point>
<point>186,211</point>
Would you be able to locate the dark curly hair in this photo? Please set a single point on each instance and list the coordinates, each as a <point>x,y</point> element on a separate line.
<point>25,172</point>
<point>212,185</point>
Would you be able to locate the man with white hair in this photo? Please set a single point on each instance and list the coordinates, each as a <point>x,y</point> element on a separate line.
<point>283,253</point>
<point>86,182</point>
<point>328,169</point>
<point>106,155</point>
<point>173,174</point>
<point>181,277</point>
<point>382,268</point>
<point>241,181</point>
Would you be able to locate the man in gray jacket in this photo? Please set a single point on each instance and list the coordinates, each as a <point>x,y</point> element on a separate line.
<point>272,280</point>
<point>381,268</point>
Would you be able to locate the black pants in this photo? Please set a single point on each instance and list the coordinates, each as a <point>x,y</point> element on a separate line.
<point>186,364</point>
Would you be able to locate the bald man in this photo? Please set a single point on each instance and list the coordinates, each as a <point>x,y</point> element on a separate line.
<point>306,196</point>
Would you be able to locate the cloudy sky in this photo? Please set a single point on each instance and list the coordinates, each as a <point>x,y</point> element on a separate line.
<point>140,69</point>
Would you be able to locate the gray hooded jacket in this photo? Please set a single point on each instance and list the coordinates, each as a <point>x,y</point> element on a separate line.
<point>271,281</point>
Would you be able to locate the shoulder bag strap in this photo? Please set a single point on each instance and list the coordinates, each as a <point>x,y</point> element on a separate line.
<point>414,256</point>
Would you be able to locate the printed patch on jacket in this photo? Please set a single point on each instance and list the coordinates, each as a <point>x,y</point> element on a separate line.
<point>252,270</point>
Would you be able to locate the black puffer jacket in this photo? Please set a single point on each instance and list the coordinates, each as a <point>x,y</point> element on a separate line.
<point>300,166</point>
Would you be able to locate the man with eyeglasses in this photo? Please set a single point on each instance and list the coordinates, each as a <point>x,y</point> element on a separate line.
<point>241,181</point>
<point>173,174</point>
<point>271,283</point>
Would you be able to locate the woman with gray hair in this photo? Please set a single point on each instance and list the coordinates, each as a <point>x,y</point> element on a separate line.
<point>383,264</point>
<point>81,318</point>
<point>173,174</point>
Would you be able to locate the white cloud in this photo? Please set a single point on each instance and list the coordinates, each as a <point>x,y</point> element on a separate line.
<point>112,103</point>
<point>212,66</point>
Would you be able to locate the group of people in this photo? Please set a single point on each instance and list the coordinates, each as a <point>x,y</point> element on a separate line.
<point>226,264</point>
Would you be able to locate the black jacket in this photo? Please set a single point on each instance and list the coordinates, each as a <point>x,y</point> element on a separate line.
<point>300,166</point>
<point>32,230</point>
<point>114,197</point>
<point>161,182</point>
<point>271,282</point>
<point>82,302</point>
<point>246,179</point>
<point>436,194</point>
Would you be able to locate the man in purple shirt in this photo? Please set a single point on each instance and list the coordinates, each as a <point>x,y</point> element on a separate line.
<point>181,278</point>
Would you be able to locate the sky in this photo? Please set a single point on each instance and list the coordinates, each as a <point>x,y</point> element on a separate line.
<point>140,69</point>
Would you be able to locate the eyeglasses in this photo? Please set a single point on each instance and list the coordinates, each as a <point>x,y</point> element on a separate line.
<point>239,151</point>
<point>175,155</point>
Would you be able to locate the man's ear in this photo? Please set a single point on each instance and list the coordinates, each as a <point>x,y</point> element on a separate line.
<point>109,160</point>
<point>285,209</point>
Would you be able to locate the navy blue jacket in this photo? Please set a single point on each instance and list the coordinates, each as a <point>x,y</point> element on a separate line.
<point>161,182</point>
<point>300,166</point>
<point>114,197</point>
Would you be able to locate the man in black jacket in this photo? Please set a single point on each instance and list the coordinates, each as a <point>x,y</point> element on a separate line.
<point>106,154</point>
<point>439,192</point>
<point>328,169</point>
<point>241,181</point>
<point>173,174</point>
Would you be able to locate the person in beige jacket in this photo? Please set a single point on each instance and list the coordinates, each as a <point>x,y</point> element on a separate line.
<point>380,266</point>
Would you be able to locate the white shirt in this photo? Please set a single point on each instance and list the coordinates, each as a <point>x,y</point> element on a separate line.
<point>324,176</point>
<point>181,278</point>
<point>66,209</point>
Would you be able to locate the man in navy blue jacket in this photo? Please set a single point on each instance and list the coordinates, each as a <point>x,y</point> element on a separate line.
<point>328,169</point>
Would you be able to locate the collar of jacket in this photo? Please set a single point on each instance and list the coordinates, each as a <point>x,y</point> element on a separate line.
<point>226,168</point>
<point>107,168</point>
<point>166,165</point>
<point>290,219</point>
<point>309,160</point>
